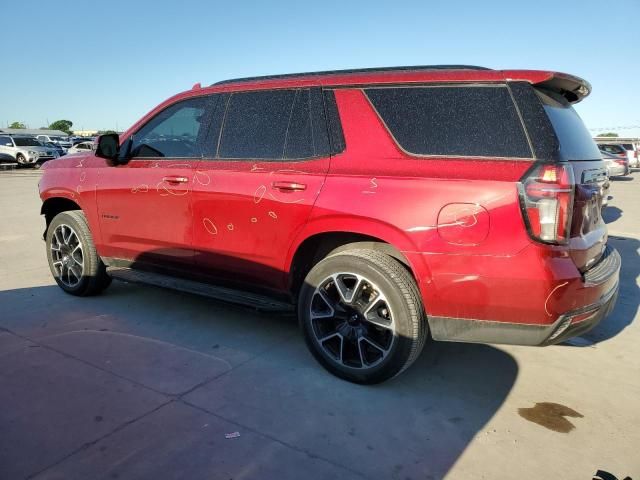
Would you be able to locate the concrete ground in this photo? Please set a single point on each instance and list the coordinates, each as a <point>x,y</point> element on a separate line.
<point>146,383</point>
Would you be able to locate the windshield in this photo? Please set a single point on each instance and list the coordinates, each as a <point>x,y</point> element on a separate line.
<point>26,142</point>
<point>575,140</point>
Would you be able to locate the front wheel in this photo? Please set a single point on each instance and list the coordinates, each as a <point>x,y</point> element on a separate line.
<point>73,260</point>
<point>362,316</point>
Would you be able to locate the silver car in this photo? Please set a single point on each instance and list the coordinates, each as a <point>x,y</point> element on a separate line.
<point>616,167</point>
<point>26,150</point>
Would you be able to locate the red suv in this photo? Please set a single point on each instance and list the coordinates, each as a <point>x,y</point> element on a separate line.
<point>384,203</point>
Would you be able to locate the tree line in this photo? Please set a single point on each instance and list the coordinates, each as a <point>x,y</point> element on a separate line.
<point>62,125</point>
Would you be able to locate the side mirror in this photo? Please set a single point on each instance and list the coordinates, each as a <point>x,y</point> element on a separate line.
<point>109,147</point>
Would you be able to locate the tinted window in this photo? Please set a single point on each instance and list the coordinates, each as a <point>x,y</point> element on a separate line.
<point>336,135</point>
<point>319,123</point>
<point>575,140</point>
<point>627,146</point>
<point>612,148</point>
<point>172,133</point>
<point>26,142</point>
<point>299,142</point>
<point>256,124</point>
<point>467,121</point>
<point>5,140</point>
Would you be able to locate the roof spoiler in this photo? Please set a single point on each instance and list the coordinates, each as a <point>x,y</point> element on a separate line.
<point>574,89</point>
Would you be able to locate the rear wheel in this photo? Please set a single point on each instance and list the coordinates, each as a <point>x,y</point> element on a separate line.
<point>362,316</point>
<point>73,260</point>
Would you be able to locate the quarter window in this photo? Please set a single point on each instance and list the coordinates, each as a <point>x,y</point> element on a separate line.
<point>6,142</point>
<point>457,121</point>
<point>173,133</point>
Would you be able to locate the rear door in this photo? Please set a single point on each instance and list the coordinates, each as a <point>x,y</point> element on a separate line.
<point>576,146</point>
<point>257,188</point>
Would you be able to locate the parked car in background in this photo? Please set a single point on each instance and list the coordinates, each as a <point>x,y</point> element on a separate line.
<point>26,150</point>
<point>58,140</point>
<point>616,166</point>
<point>82,147</point>
<point>633,154</point>
<point>61,150</point>
<point>384,204</point>
<point>77,140</point>
<point>613,149</point>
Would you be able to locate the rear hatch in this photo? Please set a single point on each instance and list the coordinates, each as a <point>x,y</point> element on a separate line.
<point>588,231</point>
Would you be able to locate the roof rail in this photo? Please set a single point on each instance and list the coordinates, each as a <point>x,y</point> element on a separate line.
<point>355,70</point>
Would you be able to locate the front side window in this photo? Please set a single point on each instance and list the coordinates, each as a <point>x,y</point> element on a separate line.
<point>475,120</point>
<point>173,133</point>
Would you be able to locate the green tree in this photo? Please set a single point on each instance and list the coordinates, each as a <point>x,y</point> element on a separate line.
<point>608,134</point>
<point>64,125</point>
<point>17,125</point>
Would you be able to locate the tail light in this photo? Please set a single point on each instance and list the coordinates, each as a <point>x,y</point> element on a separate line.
<point>546,198</point>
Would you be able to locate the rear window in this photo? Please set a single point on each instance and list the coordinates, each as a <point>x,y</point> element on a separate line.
<point>627,146</point>
<point>611,148</point>
<point>452,120</point>
<point>575,140</point>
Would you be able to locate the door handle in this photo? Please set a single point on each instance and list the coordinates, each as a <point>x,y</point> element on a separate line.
<point>175,179</point>
<point>289,186</point>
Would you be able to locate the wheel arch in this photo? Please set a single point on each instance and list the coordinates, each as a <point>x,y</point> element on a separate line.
<point>55,205</point>
<point>317,246</point>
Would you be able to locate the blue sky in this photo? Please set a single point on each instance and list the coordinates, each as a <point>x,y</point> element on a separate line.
<point>105,66</point>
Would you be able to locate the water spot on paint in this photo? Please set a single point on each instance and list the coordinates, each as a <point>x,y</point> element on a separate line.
<point>144,188</point>
<point>209,226</point>
<point>259,194</point>
<point>202,178</point>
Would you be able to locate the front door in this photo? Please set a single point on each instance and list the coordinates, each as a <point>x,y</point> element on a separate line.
<point>145,206</point>
<point>257,191</point>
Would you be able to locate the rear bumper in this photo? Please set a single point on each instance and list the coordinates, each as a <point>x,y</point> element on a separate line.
<point>602,278</point>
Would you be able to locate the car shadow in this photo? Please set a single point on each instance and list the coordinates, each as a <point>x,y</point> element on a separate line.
<point>611,214</point>
<point>417,424</point>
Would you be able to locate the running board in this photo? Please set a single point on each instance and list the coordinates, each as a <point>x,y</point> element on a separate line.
<point>228,295</point>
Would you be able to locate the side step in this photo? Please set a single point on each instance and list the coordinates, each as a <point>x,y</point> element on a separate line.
<point>228,295</point>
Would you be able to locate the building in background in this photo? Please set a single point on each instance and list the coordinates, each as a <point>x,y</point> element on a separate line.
<point>33,131</point>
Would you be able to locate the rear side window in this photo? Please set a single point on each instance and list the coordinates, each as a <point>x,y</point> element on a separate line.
<point>457,121</point>
<point>627,146</point>
<point>575,140</point>
<point>274,125</point>
<point>5,141</point>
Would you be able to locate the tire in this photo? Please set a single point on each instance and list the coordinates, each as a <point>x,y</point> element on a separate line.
<point>73,260</point>
<point>378,327</point>
<point>21,160</point>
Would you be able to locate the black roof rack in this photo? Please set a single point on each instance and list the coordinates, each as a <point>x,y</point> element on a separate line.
<point>355,70</point>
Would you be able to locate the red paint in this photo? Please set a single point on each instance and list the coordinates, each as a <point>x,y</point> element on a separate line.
<point>244,220</point>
